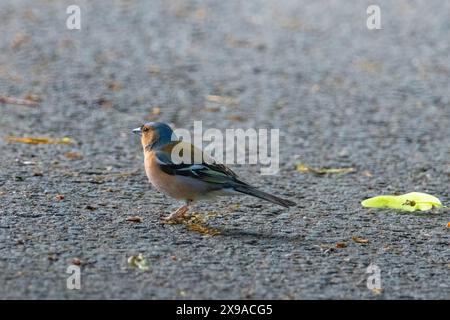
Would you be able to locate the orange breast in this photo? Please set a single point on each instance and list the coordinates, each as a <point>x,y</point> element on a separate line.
<point>168,184</point>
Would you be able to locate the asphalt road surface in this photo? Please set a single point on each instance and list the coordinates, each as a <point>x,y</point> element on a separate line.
<point>342,96</point>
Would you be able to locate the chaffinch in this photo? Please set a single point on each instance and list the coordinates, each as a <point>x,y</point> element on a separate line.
<point>190,181</point>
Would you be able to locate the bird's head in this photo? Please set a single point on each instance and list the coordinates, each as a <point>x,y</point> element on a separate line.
<point>155,135</point>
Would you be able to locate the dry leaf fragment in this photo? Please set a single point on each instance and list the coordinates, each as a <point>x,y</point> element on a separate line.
<point>39,140</point>
<point>154,70</point>
<point>341,245</point>
<point>52,257</point>
<point>19,40</point>
<point>290,23</point>
<point>238,43</point>
<point>73,155</point>
<point>200,14</point>
<point>104,103</point>
<point>212,109</point>
<point>306,169</point>
<point>196,223</point>
<point>360,240</point>
<point>29,15</point>
<point>196,227</point>
<point>369,66</point>
<point>59,197</point>
<point>17,101</point>
<point>315,88</point>
<point>156,111</point>
<point>235,118</point>
<point>114,86</point>
<point>76,261</point>
<point>377,291</point>
<point>134,219</point>
<point>367,174</point>
<point>33,98</point>
<point>139,261</point>
<point>221,99</point>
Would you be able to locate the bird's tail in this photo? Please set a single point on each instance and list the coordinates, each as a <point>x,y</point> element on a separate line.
<point>264,195</point>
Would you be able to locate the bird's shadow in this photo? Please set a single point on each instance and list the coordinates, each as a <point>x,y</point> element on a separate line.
<point>255,236</point>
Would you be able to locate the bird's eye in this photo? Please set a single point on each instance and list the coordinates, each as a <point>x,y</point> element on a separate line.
<point>145,129</point>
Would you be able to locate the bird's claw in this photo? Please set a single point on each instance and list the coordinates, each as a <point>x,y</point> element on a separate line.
<point>176,217</point>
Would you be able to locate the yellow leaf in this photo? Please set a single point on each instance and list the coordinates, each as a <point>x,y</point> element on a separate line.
<point>39,140</point>
<point>305,169</point>
<point>65,140</point>
<point>407,202</point>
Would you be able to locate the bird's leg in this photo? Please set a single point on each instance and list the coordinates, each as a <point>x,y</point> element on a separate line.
<point>179,213</point>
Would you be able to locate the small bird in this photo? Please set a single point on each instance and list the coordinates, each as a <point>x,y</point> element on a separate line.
<point>190,181</point>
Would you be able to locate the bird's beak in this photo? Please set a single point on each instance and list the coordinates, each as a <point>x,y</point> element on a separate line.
<point>137,131</point>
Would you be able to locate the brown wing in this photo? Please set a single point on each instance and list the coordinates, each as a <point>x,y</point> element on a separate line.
<point>209,171</point>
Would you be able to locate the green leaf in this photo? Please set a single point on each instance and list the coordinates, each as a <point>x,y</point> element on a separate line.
<point>412,201</point>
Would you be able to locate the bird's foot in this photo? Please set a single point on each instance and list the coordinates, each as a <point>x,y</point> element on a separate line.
<point>177,215</point>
